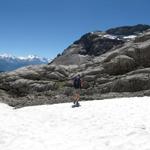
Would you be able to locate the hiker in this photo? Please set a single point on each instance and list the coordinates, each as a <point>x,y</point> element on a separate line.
<point>77,83</point>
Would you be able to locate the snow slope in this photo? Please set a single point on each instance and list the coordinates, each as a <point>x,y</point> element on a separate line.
<point>117,124</point>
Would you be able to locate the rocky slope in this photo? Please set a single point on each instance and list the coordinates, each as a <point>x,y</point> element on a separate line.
<point>122,70</point>
<point>88,46</point>
<point>97,43</point>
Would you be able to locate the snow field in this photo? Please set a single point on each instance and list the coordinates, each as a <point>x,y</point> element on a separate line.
<point>114,124</point>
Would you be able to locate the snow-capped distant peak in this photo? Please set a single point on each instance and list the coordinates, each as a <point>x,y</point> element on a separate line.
<point>9,62</point>
<point>29,57</point>
<point>5,55</point>
<point>32,56</point>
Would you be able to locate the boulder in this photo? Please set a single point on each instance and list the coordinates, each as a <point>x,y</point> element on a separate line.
<point>62,70</point>
<point>41,87</point>
<point>119,65</point>
<point>132,83</point>
<point>93,71</point>
<point>140,53</point>
<point>56,76</point>
<point>89,78</point>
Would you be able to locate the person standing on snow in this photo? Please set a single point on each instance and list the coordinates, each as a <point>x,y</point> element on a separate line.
<point>77,83</point>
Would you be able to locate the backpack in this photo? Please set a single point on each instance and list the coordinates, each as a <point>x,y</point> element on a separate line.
<point>77,82</point>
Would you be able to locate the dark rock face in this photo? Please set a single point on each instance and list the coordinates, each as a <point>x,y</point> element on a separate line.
<point>96,45</point>
<point>128,30</point>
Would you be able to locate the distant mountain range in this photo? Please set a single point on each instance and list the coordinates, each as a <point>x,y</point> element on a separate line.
<point>9,63</point>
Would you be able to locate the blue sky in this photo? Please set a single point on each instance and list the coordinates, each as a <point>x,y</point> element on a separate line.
<point>47,27</point>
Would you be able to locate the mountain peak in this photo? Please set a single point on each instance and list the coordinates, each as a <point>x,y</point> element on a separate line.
<point>97,43</point>
<point>128,30</point>
<point>6,55</point>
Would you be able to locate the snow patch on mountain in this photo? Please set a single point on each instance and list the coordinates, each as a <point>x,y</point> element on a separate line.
<point>110,36</point>
<point>130,37</point>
